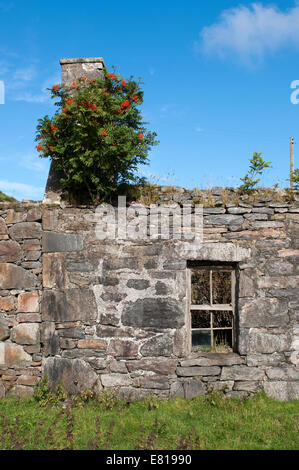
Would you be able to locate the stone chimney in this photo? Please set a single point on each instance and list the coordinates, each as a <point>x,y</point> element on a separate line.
<point>72,69</point>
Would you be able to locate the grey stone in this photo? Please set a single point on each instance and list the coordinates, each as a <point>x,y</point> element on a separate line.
<point>242,373</point>
<point>197,371</point>
<point>152,382</point>
<point>62,242</point>
<point>256,360</point>
<point>49,339</point>
<point>161,365</point>
<point>161,288</point>
<point>4,329</point>
<point>80,267</point>
<point>116,380</point>
<point>15,277</point>
<point>226,219</point>
<point>213,210</point>
<point>138,284</point>
<point>264,312</point>
<point>120,263</point>
<point>263,210</point>
<point>175,265</point>
<point>282,391</point>
<point>158,346</point>
<point>213,359</point>
<point>176,390</point>
<point>194,388</point>
<point>20,391</point>
<point>151,312</point>
<point>238,210</point>
<point>123,348</point>
<point>261,341</point>
<point>75,375</point>
<point>276,268</point>
<point>285,372</point>
<point>70,305</point>
<point>256,216</point>
<point>26,230</point>
<point>247,386</point>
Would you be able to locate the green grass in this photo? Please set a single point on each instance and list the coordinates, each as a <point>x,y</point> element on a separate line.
<point>209,422</point>
<point>5,198</point>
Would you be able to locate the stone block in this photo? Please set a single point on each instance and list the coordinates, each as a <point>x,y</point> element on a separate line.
<point>3,229</point>
<point>213,359</point>
<point>247,386</point>
<point>176,389</point>
<point>116,380</point>
<point>225,219</point>
<point>264,312</point>
<point>20,391</point>
<point>10,251</point>
<point>152,382</point>
<point>197,371</point>
<point>194,388</point>
<point>23,230</point>
<point>123,348</point>
<point>70,305</point>
<point>62,242</point>
<point>260,341</point>
<point>158,346</point>
<point>120,263</point>
<point>4,329</point>
<point>282,391</point>
<point>15,277</point>
<point>242,373</point>
<point>256,360</point>
<point>138,284</point>
<point>34,214</point>
<point>28,302</point>
<point>13,355</point>
<point>285,372</point>
<point>92,343</point>
<point>49,339</point>
<point>26,333</point>
<point>6,304</point>
<point>154,312</point>
<point>54,271</point>
<point>75,375</point>
<point>163,366</point>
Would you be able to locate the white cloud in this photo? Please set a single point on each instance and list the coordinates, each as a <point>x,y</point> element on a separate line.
<point>198,129</point>
<point>22,191</point>
<point>251,32</point>
<point>34,163</point>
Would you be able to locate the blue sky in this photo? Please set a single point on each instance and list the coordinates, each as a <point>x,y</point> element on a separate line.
<point>216,76</point>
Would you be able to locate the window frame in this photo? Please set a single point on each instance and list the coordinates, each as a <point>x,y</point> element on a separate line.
<point>212,267</point>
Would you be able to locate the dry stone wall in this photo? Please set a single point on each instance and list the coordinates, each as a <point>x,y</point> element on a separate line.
<point>114,313</point>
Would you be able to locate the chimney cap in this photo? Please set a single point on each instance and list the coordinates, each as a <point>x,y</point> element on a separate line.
<point>86,60</point>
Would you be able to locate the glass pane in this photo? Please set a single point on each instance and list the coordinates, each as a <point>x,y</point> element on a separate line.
<point>222,319</point>
<point>223,340</point>
<point>200,319</point>
<point>200,287</point>
<point>201,338</point>
<point>221,287</point>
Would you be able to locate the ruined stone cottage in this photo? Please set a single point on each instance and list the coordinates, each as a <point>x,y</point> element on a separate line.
<point>151,314</point>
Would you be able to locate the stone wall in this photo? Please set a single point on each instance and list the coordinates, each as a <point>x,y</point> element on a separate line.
<point>20,293</point>
<point>114,313</point>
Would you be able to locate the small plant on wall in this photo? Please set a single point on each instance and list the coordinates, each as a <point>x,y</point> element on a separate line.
<point>256,168</point>
<point>96,139</point>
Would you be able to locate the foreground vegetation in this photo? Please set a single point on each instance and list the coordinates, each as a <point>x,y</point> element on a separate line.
<point>5,198</point>
<point>208,422</point>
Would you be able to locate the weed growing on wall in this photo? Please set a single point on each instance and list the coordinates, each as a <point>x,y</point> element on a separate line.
<point>96,139</point>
